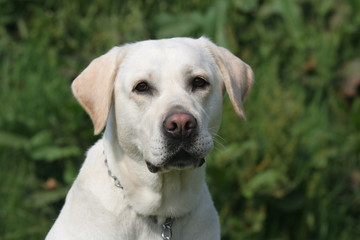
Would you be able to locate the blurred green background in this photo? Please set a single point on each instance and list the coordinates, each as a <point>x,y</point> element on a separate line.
<point>290,172</point>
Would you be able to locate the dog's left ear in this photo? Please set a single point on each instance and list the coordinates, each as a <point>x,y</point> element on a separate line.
<point>93,88</point>
<point>238,77</point>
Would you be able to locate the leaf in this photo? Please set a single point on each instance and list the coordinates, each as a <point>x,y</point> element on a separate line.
<point>355,113</point>
<point>44,198</point>
<point>246,5</point>
<point>268,182</point>
<point>70,172</point>
<point>41,138</point>
<point>178,25</point>
<point>52,153</point>
<point>234,151</point>
<point>290,203</point>
<point>13,140</point>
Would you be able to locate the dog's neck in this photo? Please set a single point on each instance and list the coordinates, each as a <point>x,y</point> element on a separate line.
<point>170,194</point>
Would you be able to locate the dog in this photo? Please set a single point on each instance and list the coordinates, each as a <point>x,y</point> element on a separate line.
<point>160,102</point>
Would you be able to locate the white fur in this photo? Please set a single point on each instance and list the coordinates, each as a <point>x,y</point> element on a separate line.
<point>94,207</point>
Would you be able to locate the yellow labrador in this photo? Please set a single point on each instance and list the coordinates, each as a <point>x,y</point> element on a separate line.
<point>160,102</point>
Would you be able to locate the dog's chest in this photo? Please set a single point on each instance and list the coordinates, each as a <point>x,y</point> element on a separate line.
<point>146,228</point>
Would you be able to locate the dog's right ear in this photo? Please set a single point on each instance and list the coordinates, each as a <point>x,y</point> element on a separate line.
<point>93,88</point>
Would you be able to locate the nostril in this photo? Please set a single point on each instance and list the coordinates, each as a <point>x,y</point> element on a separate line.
<point>172,126</point>
<point>171,123</point>
<point>190,124</point>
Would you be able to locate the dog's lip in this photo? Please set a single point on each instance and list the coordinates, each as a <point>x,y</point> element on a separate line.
<point>152,168</point>
<point>182,159</point>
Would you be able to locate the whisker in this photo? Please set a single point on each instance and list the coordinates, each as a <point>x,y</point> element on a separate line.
<point>218,136</point>
<point>218,141</point>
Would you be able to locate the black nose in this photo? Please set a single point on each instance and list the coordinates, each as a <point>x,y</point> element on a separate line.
<point>180,125</point>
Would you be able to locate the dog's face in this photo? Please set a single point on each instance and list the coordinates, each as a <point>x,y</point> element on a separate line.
<point>167,97</point>
<point>168,104</point>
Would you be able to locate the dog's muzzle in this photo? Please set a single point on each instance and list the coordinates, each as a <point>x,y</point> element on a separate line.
<point>180,129</point>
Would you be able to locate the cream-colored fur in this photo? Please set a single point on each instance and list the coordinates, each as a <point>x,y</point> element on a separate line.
<point>94,207</point>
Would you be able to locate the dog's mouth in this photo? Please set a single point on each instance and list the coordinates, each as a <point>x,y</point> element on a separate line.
<point>181,160</point>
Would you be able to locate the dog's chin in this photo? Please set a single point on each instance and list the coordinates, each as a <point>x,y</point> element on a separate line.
<point>179,161</point>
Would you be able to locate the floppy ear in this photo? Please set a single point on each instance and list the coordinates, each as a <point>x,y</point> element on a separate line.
<point>238,77</point>
<point>93,88</point>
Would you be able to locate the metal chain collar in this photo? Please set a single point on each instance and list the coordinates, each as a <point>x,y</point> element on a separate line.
<point>166,233</point>
<point>166,226</point>
<point>116,180</point>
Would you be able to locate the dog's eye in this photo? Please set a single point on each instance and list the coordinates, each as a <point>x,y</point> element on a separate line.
<point>142,87</point>
<point>199,82</point>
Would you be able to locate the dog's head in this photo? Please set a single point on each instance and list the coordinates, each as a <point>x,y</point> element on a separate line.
<point>166,95</point>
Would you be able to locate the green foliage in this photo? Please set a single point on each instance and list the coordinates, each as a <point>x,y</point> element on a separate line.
<point>291,171</point>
